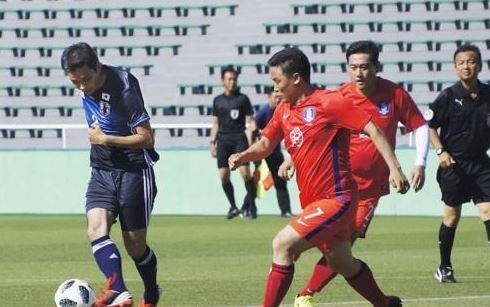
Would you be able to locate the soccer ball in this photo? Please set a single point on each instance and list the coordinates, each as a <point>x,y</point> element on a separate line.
<point>74,293</point>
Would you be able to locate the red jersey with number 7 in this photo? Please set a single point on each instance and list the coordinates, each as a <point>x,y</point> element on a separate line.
<point>388,105</point>
<point>316,135</point>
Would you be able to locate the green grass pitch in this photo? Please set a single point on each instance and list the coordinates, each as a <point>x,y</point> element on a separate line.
<point>209,261</point>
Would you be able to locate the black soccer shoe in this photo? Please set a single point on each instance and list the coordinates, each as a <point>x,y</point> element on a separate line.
<point>233,212</point>
<point>445,275</point>
<point>394,301</point>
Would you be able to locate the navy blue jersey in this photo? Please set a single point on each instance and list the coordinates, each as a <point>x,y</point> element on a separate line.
<point>118,108</point>
<point>262,118</point>
<point>231,111</point>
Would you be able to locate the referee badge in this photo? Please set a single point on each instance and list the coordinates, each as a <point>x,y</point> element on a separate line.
<point>234,113</point>
<point>309,114</point>
<point>428,114</point>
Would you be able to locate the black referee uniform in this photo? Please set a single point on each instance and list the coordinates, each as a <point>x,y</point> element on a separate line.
<point>464,125</point>
<point>231,111</point>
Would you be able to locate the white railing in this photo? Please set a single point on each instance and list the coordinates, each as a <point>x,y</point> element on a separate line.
<point>65,127</point>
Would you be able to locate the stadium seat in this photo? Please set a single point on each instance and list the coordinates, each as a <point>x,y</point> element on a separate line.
<point>268,48</point>
<point>349,7</point>
<point>125,12</point>
<point>104,31</point>
<point>179,76</point>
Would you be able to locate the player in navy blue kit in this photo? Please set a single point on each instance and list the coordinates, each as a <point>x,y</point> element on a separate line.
<point>232,111</point>
<point>122,184</point>
<point>275,159</point>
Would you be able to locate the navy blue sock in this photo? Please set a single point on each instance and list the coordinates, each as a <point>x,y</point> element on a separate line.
<point>147,267</point>
<point>109,261</point>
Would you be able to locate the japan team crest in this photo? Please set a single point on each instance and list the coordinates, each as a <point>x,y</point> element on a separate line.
<point>309,114</point>
<point>384,108</point>
<point>105,108</point>
<point>234,113</point>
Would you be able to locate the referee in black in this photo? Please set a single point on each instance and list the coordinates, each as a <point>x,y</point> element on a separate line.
<point>459,121</point>
<point>232,114</point>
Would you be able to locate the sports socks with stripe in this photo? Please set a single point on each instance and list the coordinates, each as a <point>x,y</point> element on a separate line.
<point>147,268</point>
<point>108,259</point>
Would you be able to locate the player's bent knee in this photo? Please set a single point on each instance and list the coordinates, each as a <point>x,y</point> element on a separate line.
<point>135,249</point>
<point>96,231</point>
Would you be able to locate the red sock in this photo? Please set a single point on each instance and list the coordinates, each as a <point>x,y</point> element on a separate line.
<point>322,275</point>
<point>363,282</point>
<point>278,282</point>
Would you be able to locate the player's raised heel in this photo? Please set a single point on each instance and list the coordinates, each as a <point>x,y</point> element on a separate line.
<point>394,301</point>
<point>143,303</point>
<point>303,301</point>
<point>111,298</point>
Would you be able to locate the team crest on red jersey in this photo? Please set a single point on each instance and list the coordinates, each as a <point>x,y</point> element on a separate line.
<point>309,114</point>
<point>384,108</point>
<point>296,137</point>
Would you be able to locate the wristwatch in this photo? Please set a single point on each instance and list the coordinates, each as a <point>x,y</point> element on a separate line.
<point>439,151</point>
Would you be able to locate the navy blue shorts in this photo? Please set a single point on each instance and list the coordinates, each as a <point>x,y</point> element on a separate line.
<point>229,144</point>
<point>128,194</point>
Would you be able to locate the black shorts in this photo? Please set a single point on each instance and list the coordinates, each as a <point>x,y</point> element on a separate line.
<point>128,194</point>
<point>229,144</point>
<point>466,180</point>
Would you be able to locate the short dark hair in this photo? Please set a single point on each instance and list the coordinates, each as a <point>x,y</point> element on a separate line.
<point>291,61</point>
<point>228,68</point>
<point>364,46</point>
<point>268,90</point>
<point>78,55</point>
<point>469,47</point>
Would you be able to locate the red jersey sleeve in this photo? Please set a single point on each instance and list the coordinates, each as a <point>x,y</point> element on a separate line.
<point>343,114</point>
<point>410,115</point>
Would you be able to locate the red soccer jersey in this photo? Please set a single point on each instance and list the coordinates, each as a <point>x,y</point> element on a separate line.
<point>388,105</point>
<point>316,135</point>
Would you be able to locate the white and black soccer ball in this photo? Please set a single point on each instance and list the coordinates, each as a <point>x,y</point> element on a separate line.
<point>74,293</point>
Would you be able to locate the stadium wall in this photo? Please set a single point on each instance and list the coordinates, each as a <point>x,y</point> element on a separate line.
<point>54,182</point>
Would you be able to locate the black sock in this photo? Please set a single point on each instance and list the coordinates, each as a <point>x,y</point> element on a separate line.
<point>283,200</point>
<point>229,192</point>
<point>446,240</point>
<point>487,226</point>
<point>250,187</point>
<point>147,268</point>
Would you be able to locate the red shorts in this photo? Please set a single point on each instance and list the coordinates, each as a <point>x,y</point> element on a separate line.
<point>364,215</point>
<point>326,222</point>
